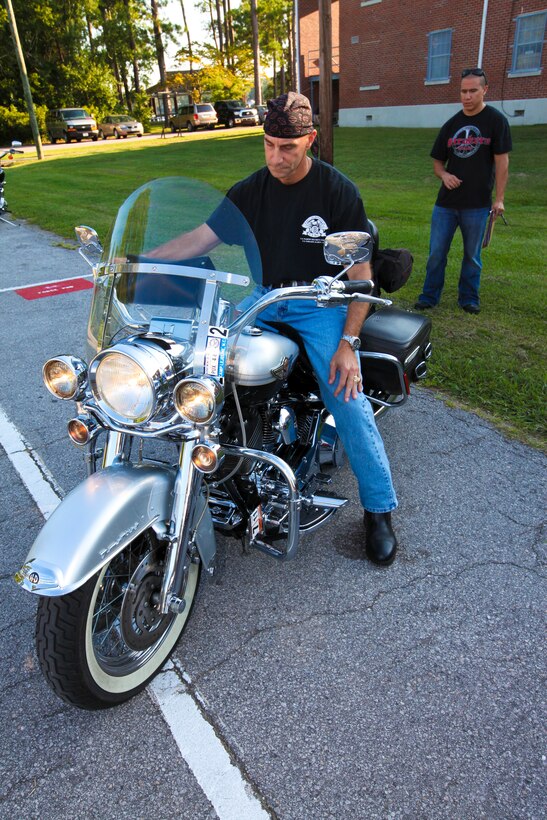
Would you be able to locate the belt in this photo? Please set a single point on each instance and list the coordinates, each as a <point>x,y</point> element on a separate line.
<point>293,283</point>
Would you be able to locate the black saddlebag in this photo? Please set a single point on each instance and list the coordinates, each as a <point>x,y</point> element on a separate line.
<point>394,344</point>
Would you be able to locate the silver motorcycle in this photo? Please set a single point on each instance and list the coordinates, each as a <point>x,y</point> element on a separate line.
<point>193,420</point>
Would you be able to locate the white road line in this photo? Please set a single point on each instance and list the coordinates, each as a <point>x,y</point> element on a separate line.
<point>48,282</point>
<point>34,473</point>
<point>222,782</point>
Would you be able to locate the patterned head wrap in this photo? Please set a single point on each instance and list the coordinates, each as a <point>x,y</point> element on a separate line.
<point>289,116</point>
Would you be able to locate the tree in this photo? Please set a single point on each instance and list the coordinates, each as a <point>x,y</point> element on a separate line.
<point>275,36</point>
<point>186,31</point>
<point>256,53</point>
<point>79,52</point>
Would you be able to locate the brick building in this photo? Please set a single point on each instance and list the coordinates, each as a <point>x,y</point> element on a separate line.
<point>398,62</point>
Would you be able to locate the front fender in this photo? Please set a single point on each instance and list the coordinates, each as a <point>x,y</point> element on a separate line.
<point>97,520</point>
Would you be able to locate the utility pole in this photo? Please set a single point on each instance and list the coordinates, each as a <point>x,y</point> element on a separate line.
<point>325,82</point>
<point>256,54</point>
<point>24,79</point>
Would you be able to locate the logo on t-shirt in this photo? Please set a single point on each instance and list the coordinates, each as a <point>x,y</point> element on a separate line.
<point>315,229</point>
<point>467,141</point>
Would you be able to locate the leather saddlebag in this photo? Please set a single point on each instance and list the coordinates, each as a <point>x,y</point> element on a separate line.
<point>396,337</point>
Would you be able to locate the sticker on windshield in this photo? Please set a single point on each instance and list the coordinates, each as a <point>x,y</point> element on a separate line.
<point>215,352</point>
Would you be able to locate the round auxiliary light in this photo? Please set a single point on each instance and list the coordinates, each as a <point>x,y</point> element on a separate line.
<point>81,430</point>
<point>198,400</point>
<point>65,377</point>
<point>123,388</point>
<point>205,458</point>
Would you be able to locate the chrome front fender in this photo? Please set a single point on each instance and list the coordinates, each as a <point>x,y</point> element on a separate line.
<point>98,519</point>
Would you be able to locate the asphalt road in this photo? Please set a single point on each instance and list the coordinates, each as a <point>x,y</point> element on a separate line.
<point>339,689</point>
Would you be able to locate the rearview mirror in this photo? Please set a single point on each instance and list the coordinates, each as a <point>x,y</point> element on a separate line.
<point>90,247</point>
<point>347,247</point>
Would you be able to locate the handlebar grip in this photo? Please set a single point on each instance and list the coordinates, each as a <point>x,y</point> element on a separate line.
<point>364,286</point>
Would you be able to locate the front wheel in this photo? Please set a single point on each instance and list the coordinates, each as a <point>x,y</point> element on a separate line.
<point>101,644</point>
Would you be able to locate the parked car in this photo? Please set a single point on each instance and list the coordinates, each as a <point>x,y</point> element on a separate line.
<point>261,110</point>
<point>120,125</point>
<point>194,116</point>
<point>232,112</point>
<point>70,124</point>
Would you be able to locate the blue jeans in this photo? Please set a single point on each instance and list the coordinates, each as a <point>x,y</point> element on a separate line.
<point>321,329</point>
<point>444,221</point>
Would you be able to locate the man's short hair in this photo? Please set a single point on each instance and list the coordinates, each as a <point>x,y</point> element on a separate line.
<point>476,72</point>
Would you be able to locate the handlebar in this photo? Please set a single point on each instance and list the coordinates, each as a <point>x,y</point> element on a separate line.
<point>363,286</point>
<point>324,291</point>
<point>11,151</point>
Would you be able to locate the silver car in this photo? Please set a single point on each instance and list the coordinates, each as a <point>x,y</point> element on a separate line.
<point>119,125</point>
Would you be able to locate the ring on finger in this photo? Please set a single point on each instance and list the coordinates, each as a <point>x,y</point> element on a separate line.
<point>357,379</point>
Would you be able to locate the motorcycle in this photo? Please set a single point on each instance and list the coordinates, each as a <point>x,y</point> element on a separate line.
<point>3,202</point>
<point>194,419</point>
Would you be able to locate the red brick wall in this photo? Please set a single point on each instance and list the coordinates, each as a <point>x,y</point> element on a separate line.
<point>309,40</point>
<point>392,49</point>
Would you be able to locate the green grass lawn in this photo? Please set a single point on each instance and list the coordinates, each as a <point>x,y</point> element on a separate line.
<point>493,363</point>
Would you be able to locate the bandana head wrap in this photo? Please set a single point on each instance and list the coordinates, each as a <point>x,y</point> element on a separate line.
<point>289,116</point>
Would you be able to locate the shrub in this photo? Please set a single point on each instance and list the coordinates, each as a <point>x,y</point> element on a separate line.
<point>141,109</point>
<point>15,124</point>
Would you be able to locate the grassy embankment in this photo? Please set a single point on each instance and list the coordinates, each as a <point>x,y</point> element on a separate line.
<point>493,363</point>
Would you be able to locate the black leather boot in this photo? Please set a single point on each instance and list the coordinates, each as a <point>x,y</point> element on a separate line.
<point>381,543</point>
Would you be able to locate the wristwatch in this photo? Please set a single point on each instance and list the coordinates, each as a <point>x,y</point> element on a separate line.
<point>353,341</point>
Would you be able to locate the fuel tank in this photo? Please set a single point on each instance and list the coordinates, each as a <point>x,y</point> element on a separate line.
<point>257,357</point>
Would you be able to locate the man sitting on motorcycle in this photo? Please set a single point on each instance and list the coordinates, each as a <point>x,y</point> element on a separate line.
<point>291,204</point>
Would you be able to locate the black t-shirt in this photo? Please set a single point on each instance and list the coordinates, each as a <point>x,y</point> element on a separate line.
<point>467,146</point>
<point>290,222</point>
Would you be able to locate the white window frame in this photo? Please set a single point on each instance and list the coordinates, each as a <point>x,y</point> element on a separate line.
<point>517,46</point>
<point>430,79</point>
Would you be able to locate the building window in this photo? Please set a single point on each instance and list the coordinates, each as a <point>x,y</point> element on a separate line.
<point>438,55</point>
<point>528,45</point>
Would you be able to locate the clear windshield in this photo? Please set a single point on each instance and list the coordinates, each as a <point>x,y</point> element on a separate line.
<point>185,294</point>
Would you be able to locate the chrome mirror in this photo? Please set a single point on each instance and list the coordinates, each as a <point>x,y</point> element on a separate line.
<point>347,247</point>
<point>90,247</point>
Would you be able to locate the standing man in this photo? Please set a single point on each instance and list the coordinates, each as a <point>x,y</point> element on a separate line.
<point>470,155</point>
<point>291,204</point>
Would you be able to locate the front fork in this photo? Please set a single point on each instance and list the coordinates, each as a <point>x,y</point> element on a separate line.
<point>186,492</point>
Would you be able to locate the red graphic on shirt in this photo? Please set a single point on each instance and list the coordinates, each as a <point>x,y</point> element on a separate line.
<point>467,141</point>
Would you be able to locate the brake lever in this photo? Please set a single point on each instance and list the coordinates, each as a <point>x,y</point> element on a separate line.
<point>331,294</point>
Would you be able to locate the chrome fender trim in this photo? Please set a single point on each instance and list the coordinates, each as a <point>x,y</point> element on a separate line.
<point>97,520</point>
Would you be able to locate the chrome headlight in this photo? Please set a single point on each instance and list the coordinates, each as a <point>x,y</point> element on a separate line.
<point>198,400</point>
<point>122,385</point>
<point>65,377</point>
<point>131,381</point>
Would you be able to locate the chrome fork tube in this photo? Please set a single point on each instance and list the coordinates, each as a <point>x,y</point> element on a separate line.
<point>186,492</point>
<point>116,448</point>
